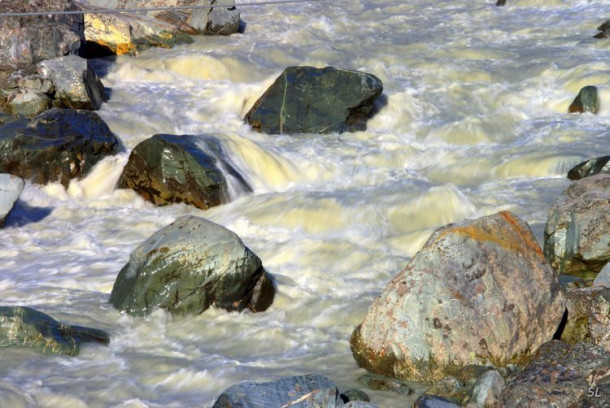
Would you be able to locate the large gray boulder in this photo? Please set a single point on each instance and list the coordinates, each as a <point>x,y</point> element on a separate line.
<point>76,85</point>
<point>189,266</point>
<point>313,100</point>
<point>577,232</point>
<point>167,169</point>
<point>57,145</point>
<point>26,327</point>
<point>560,376</point>
<point>10,190</point>
<point>478,292</point>
<point>305,391</point>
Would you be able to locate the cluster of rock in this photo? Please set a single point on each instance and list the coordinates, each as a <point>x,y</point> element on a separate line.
<point>479,312</point>
<point>34,78</point>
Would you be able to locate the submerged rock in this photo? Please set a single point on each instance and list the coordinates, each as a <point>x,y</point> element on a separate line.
<point>10,190</point>
<point>312,100</point>
<point>189,266</point>
<point>559,376</point>
<point>577,232</point>
<point>586,101</point>
<point>169,169</point>
<point>478,292</point>
<point>76,85</point>
<point>591,167</point>
<point>57,145</point>
<point>310,390</point>
<point>604,30</point>
<point>26,327</point>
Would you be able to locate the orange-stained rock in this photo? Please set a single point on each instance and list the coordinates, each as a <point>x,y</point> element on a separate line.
<point>478,292</point>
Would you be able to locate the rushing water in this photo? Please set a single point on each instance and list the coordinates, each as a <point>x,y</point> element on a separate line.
<point>472,121</point>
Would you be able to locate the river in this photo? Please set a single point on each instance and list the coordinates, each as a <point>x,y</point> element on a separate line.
<point>473,120</point>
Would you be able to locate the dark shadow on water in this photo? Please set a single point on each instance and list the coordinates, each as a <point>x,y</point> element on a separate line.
<point>242,27</point>
<point>23,214</point>
<point>380,103</point>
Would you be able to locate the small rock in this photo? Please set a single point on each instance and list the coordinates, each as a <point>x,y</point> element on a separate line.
<point>590,167</point>
<point>488,389</point>
<point>433,401</point>
<point>380,383</point>
<point>586,101</point>
<point>27,102</point>
<point>356,395</point>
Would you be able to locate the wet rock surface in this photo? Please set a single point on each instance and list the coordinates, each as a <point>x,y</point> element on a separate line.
<point>26,327</point>
<point>587,100</point>
<point>478,292</point>
<point>313,100</point>
<point>55,146</point>
<point>10,190</point>
<point>189,266</point>
<point>169,169</point>
<point>590,167</point>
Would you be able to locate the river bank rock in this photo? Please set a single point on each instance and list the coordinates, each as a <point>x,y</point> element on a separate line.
<point>590,167</point>
<point>167,169</point>
<point>189,266</point>
<point>26,327</point>
<point>577,232</point>
<point>560,376</point>
<point>57,145</point>
<point>588,318</point>
<point>10,190</point>
<point>313,100</point>
<point>27,40</point>
<point>310,390</point>
<point>478,292</point>
<point>586,101</point>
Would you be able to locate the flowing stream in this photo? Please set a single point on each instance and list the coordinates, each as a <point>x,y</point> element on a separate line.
<point>472,121</point>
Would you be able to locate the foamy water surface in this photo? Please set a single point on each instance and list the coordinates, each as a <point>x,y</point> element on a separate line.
<point>472,121</point>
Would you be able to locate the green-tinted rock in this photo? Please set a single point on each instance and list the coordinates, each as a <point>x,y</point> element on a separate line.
<point>26,327</point>
<point>57,145</point>
<point>590,167</point>
<point>355,395</point>
<point>586,101</point>
<point>172,169</point>
<point>188,266</point>
<point>577,232</point>
<point>312,100</point>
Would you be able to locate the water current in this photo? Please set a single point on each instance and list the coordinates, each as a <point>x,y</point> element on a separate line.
<point>473,120</point>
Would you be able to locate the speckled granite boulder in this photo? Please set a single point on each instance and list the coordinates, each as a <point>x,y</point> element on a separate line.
<point>478,292</point>
<point>590,167</point>
<point>577,232</point>
<point>169,169</point>
<point>10,190</point>
<point>189,266</point>
<point>560,376</point>
<point>57,145</point>
<point>588,318</point>
<point>26,327</point>
<point>312,100</point>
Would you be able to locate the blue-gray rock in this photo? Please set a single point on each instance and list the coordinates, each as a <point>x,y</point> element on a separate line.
<point>587,100</point>
<point>603,277</point>
<point>189,266</point>
<point>57,145</point>
<point>590,167</point>
<point>312,100</point>
<point>76,85</point>
<point>487,389</point>
<point>26,327</point>
<point>167,169</point>
<point>478,292</point>
<point>433,401</point>
<point>10,190</point>
<point>577,232</point>
<point>299,392</point>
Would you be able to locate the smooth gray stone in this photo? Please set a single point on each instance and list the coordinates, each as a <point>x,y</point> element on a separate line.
<point>10,190</point>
